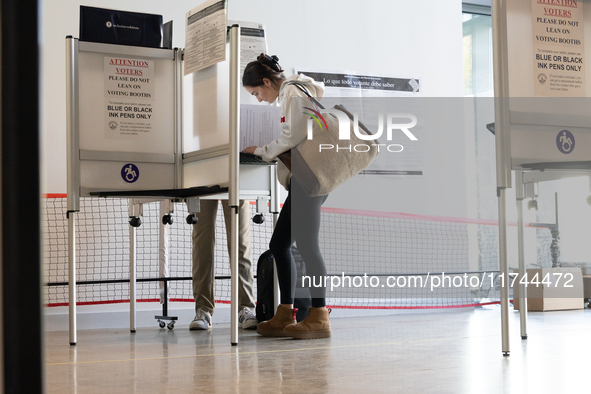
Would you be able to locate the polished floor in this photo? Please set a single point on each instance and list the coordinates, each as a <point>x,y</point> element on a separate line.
<point>453,351</point>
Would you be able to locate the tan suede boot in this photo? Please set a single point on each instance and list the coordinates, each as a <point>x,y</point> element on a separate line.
<point>316,325</point>
<point>275,326</point>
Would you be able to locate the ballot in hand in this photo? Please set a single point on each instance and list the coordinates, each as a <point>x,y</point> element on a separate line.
<point>250,149</point>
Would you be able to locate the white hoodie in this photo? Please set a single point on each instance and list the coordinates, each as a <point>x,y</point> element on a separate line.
<point>293,129</point>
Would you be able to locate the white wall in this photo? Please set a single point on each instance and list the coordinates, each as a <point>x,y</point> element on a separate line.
<point>395,38</point>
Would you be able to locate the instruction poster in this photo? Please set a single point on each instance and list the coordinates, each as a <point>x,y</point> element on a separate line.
<point>253,42</point>
<point>559,48</point>
<point>129,97</point>
<point>205,35</point>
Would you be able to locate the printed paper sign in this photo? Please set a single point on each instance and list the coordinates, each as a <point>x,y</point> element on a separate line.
<point>129,97</point>
<point>205,35</point>
<point>559,48</point>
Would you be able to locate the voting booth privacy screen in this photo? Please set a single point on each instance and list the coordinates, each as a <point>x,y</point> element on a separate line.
<point>126,118</point>
<point>549,81</point>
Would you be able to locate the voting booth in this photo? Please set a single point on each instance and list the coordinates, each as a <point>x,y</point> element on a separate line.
<point>542,119</point>
<point>138,128</point>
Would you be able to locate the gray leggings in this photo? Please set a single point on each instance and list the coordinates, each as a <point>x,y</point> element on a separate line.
<point>299,221</point>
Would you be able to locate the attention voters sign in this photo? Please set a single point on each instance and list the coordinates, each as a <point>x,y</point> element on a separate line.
<point>129,97</point>
<point>559,48</point>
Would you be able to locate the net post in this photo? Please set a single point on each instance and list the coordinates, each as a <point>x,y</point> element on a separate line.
<point>132,268</point>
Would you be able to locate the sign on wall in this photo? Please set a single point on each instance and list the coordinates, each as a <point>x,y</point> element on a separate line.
<point>129,97</point>
<point>559,48</point>
<point>368,96</point>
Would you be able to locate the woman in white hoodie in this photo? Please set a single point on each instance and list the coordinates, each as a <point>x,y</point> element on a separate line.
<point>265,80</point>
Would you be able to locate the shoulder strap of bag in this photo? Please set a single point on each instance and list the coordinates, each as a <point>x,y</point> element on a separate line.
<point>339,107</point>
<point>305,91</point>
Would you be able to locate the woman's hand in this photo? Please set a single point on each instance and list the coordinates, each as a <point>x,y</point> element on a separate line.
<point>250,149</point>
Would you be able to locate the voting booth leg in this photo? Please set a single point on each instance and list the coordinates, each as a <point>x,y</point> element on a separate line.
<point>72,275</point>
<point>520,247</point>
<point>504,271</point>
<point>73,165</point>
<point>234,171</point>
<point>234,276</point>
<point>132,272</point>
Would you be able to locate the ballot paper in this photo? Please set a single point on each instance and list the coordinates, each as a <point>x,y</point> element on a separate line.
<point>205,35</point>
<point>259,125</point>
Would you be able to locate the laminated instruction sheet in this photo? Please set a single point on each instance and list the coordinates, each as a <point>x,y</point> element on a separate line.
<point>129,97</point>
<point>205,35</point>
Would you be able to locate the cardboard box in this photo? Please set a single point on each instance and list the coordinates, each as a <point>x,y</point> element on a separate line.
<point>553,297</point>
<point>587,286</point>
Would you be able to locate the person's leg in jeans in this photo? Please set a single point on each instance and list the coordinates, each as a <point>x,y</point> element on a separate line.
<point>203,238</point>
<point>245,272</point>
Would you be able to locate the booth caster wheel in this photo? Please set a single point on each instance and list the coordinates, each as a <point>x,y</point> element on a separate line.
<point>191,219</point>
<point>167,219</point>
<point>161,323</point>
<point>135,221</point>
<point>258,218</point>
<point>171,325</point>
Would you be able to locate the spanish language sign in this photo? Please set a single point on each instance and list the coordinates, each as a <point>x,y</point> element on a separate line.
<point>129,97</point>
<point>365,95</point>
<point>559,48</point>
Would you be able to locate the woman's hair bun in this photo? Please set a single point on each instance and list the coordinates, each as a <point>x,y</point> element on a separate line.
<point>270,61</point>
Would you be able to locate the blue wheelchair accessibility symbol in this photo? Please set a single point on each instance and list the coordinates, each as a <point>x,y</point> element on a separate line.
<point>565,141</point>
<point>130,173</point>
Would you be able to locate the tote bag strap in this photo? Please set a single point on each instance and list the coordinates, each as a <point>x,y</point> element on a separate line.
<point>305,91</point>
<point>339,107</point>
